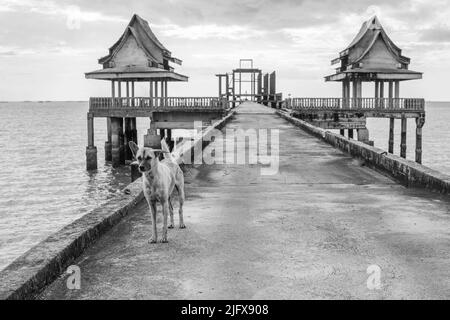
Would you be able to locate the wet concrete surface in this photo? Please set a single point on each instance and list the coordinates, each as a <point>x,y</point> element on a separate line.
<point>308,232</point>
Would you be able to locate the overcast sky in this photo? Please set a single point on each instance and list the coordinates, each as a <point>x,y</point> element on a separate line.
<point>46,46</point>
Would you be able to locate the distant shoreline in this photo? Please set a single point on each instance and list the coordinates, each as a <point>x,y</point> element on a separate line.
<point>46,101</point>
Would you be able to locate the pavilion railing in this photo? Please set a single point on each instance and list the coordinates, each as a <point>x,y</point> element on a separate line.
<point>364,104</point>
<point>146,103</point>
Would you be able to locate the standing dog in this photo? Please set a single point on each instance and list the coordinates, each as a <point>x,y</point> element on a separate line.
<point>159,179</point>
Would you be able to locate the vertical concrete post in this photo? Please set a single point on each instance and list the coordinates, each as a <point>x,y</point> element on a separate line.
<point>119,92</point>
<point>354,93</point>
<point>227,88</point>
<point>381,84</point>
<point>127,138</point>
<point>91,150</point>
<point>403,137</point>
<point>391,135</point>
<point>391,94</point>
<point>157,102</point>
<point>419,125</point>
<point>377,93</point>
<point>108,141</point>
<point>150,93</point>
<point>116,137</point>
<point>233,90</point>
<point>397,94</point>
<point>169,139</point>
<point>220,86</point>
<point>166,94</point>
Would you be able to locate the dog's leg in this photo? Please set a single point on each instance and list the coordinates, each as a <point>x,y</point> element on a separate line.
<point>180,189</point>
<point>154,237</point>
<point>165,206</point>
<point>171,225</point>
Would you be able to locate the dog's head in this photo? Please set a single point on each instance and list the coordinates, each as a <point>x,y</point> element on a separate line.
<point>144,156</point>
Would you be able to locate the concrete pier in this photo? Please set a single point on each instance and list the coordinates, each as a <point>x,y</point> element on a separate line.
<point>310,231</point>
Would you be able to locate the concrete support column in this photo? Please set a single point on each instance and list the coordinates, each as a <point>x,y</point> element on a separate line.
<point>397,94</point>
<point>108,144</point>
<point>403,137</point>
<point>391,135</point>
<point>150,92</point>
<point>419,125</point>
<point>363,136</point>
<point>132,93</point>
<point>354,93</point>
<point>117,141</point>
<point>233,90</point>
<point>220,86</point>
<point>91,150</point>
<point>166,94</point>
<point>391,94</point>
<point>127,138</point>
<point>381,84</point>
<point>157,102</point>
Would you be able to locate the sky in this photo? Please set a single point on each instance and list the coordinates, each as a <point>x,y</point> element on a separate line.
<point>47,46</point>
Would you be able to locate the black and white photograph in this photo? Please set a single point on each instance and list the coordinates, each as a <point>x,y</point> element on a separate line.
<point>224,155</point>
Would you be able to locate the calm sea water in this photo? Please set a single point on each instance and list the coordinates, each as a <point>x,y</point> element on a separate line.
<point>45,185</point>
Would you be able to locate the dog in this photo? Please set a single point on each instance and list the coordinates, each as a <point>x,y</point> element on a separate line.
<point>159,179</point>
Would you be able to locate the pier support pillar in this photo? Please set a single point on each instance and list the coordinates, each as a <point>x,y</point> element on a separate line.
<point>134,130</point>
<point>91,150</point>
<point>127,138</point>
<point>391,135</point>
<point>419,125</point>
<point>403,138</point>
<point>117,151</point>
<point>363,136</point>
<point>108,144</point>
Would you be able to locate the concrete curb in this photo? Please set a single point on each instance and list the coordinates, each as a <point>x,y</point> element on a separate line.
<point>405,171</point>
<point>28,275</point>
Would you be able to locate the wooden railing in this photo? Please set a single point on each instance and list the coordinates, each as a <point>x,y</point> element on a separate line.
<point>388,104</point>
<point>175,103</point>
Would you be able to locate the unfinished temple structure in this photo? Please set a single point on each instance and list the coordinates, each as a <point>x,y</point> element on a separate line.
<point>372,57</point>
<point>138,56</point>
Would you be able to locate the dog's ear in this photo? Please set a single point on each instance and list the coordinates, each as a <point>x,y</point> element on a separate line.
<point>134,148</point>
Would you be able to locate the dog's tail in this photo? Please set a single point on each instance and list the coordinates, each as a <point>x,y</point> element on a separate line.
<point>165,149</point>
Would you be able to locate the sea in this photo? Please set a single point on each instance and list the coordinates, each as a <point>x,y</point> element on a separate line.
<point>44,183</point>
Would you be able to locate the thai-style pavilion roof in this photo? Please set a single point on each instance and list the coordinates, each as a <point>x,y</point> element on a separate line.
<point>372,55</point>
<point>138,55</point>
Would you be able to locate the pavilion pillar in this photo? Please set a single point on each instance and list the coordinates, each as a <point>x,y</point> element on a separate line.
<point>403,137</point>
<point>233,90</point>
<point>227,88</point>
<point>91,150</point>
<point>354,93</point>
<point>344,93</point>
<point>156,94</point>
<point>419,125</point>
<point>150,93</point>
<point>220,85</point>
<point>119,92</point>
<point>377,93</point>
<point>391,134</point>
<point>381,84</point>
<point>117,141</point>
<point>391,94</point>
<point>166,94</point>
<point>397,94</point>
<point>108,145</point>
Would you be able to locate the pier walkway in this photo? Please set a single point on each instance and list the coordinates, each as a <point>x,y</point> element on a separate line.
<point>309,232</point>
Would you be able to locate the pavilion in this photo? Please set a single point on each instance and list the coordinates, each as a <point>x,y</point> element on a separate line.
<point>137,56</point>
